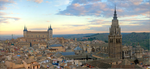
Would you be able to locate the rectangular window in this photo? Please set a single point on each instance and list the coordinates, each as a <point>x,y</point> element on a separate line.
<point>117,40</point>
<point>111,40</point>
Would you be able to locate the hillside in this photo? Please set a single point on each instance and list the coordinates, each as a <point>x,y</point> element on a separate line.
<point>134,38</point>
<point>67,36</point>
<point>127,38</point>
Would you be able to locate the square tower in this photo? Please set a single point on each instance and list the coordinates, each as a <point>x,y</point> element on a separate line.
<point>115,39</point>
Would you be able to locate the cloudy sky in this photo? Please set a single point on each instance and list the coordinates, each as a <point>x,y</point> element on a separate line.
<point>73,16</point>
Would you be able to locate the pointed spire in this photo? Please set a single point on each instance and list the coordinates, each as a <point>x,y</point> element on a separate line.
<point>49,28</point>
<point>115,8</point>
<point>25,28</point>
<point>115,14</point>
<point>50,25</point>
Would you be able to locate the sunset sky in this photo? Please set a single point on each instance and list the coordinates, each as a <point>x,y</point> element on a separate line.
<point>73,16</point>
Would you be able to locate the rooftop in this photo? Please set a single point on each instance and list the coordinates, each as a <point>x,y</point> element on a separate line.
<point>55,45</point>
<point>68,53</point>
<point>77,48</point>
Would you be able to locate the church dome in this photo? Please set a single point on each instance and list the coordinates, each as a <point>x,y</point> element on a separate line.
<point>138,48</point>
<point>77,48</point>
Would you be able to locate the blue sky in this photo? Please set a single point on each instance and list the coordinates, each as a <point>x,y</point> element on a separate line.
<point>73,16</point>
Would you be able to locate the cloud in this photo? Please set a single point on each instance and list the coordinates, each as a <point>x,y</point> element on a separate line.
<point>84,1</point>
<point>77,25</point>
<point>5,19</point>
<point>48,2</point>
<point>2,13</point>
<point>47,21</point>
<point>133,25</point>
<point>102,28</point>
<point>37,1</point>
<point>62,2</point>
<point>5,2</point>
<point>106,9</point>
<point>73,25</point>
<point>99,22</point>
<point>15,18</point>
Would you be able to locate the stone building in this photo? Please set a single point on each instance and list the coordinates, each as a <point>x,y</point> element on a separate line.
<point>138,51</point>
<point>38,34</point>
<point>126,52</point>
<point>21,44</point>
<point>78,50</point>
<point>57,46</point>
<point>87,48</point>
<point>115,39</point>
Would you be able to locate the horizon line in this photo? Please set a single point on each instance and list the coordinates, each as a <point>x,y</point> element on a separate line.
<point>79,33</point>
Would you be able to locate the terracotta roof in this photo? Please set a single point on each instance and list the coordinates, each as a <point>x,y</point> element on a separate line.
<point>29,61</point>
<point>99,64</point>
<point>77,48</point>
<point>37,31</point>
<point>122,66</point>
<point>109,60</point>
<point>36,64</point>
<point>62,64</point>
<point>126,66</point>
<point>56,45</point>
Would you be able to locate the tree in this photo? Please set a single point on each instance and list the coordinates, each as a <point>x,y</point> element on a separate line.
<point>106,41</point>
<point>136,61</point>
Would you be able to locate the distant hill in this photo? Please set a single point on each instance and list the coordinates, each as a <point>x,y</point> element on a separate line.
<point>127,38</point>
<point>72,36</point>
<point>67,36</point>
<point>5,37</point>
<point>134,38</point>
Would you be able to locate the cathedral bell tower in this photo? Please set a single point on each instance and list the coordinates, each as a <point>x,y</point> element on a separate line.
<point>50,32</point>
<point>25,31</point>
<point>115,39</point>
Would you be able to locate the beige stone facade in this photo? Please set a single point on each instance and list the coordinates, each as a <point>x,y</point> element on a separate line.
<point>38,34</point>
<point>21,44</point>
<point>126,52</point>
<point>60,48</point>
<point>115,39</point>
<point>138,51</point>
